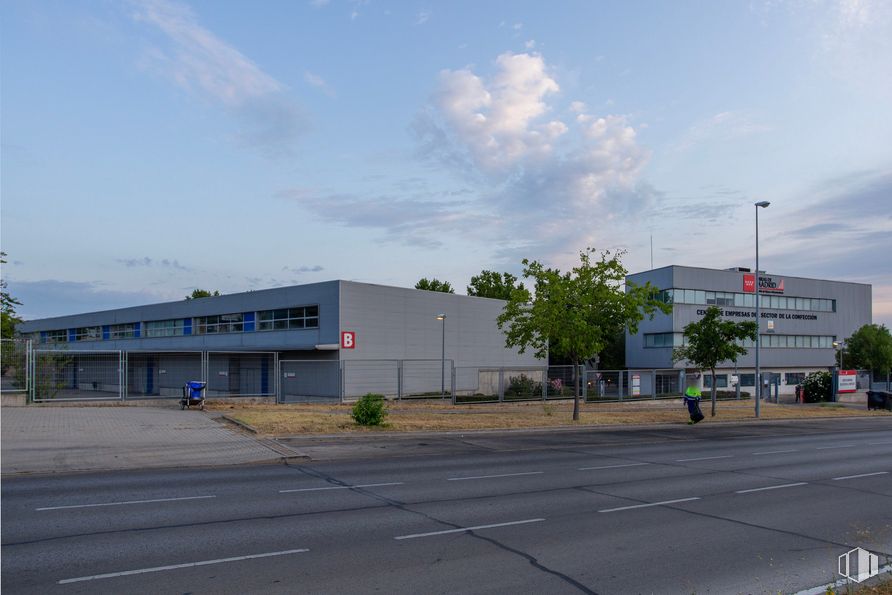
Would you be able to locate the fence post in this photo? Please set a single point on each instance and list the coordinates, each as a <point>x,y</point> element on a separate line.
<point>122,376</point>
<point>545,383</point>
<point>452,376</point>
<point>399,380</point>
<point>342,373</point>
<point>653,384</point>
<point>501,385</point>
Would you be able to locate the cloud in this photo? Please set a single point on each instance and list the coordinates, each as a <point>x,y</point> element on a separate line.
<point>317,81</point>
<point>148,262</point>
<point>200,62</point>
<point>721,127</point>
<point>304,269</point>
<point>422,17</point>
<point>319,3</point>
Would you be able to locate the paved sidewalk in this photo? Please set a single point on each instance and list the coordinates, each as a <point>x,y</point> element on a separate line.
<point>65,439</point>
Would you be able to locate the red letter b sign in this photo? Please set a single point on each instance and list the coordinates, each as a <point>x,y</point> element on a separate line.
<point>348,340</point>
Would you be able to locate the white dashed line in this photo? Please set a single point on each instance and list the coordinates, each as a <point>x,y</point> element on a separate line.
<point>836,446</point>
<point>786,485</point>
<point>774,452</point>
<point>177,566</point>
<point>124,502</point>
<point>703,458</point>
<point>465,529</point>
<point>494,476</point>
<point>612,466</point>
<point>648,505</point>
<point>884,442</point>
<point>861,475</point>
<point>367,485</point>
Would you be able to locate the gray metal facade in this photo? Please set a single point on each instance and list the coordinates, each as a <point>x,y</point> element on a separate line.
<point>852,310</point>
<point>389,323</point>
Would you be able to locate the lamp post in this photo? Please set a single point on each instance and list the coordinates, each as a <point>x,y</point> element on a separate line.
<point>839,346</point>
<point>761,204</point>
<point>442,318</point>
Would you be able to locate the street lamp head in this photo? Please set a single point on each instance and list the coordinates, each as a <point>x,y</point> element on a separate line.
<point>836,344</point>
<point>441,316</point>
<point>763,203</point>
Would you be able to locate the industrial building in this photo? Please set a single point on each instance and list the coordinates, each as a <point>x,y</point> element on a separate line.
<point>330,340</point>
<point>803,322</point>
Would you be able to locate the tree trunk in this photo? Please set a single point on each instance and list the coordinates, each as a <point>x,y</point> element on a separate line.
<point>576,391</point>
<point>713,392</point>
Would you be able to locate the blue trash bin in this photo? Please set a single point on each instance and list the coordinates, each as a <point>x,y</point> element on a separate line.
<point>193,394</point>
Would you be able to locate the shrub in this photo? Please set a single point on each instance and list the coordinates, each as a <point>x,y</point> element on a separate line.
<point>817,387</point>
<point>523,386</point>
<point>369,410</point>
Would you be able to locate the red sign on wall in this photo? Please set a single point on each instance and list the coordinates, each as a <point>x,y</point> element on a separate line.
<point>848,381</point>
<point>749,283</point>
<point>348,340</point>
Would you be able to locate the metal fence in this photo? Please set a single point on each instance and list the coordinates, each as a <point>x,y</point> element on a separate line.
<point>161,374</point>
<point>60,375</point>
<point>241,374</point>
<point>513,383</point>
<point>398,379</point>
<point>625,385</point>
<point>302,381</point>
<point>15,364</point>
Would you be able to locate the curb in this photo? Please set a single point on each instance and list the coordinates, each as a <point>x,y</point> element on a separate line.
<point>239,423</point>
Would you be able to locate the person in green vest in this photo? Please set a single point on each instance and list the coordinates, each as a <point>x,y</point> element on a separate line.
<point>692,400</point>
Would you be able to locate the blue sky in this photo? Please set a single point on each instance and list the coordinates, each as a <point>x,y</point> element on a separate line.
<point>150,147</point>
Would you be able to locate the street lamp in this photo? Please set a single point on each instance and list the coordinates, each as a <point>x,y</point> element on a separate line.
<point>838,346</point>
<point>764,205</point>
<point>442,318</point>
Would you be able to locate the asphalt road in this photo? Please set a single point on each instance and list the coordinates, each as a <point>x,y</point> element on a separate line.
<point>721,509</point>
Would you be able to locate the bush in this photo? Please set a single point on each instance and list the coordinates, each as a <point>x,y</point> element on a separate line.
<point>817,387</point>
<point>369,410</point>
<point>523,386</point>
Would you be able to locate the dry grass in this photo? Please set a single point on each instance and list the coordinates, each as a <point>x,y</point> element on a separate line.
<point>283,420</point>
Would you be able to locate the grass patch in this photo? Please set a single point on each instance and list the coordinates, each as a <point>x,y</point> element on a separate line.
<point>295,419</point>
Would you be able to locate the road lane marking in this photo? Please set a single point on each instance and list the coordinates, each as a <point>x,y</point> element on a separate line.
<point>612,466</point>
<point>94,577</point>
<point>703,458</point>
<point>836,446</point>
<point>884,442</point>
<point>649,505</point>
<point>124,502</point>
<point>774,452</point>
<point>494,476</point>
<point>367,485</point>
<point>465,529</point>
<point>861,475</point>
<point>778,487</point>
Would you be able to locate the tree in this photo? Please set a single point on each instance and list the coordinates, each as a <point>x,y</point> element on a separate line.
<point>8,318</point>
<point>711,340</point>
<point>574,314</point>
<point>434,285</point>
<point>491,284</point>
<point>202,293</point>
<point>870,347</point>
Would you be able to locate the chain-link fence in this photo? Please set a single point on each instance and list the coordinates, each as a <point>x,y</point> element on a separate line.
<point>240,374</point>
<point>398,379</point>
<point>61,375</point>
<point>303,381</point>
<point>15,364</point>
<point>161,375</point>
<point>511,384</point>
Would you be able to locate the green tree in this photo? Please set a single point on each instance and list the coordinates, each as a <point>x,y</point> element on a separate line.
<point>202,293</point>
<point>870,348</point>
<point>434,285</point>
<point>8,317</point>
<point>712,340</point>
<point>490,284</point>
<point>574,314</point>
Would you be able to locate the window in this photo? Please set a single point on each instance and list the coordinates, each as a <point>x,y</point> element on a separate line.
<point>221,323</point>
<point>165,328</point>
<point>791,378</point>
<point>57,336</point>
<point>88,333</point>
<point>123,331</point>
<point>288,318</point>
<point>747,380</point>
<point>721,380</point>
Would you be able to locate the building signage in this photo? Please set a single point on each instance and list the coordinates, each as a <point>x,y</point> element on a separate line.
<point>848,381</point>
<point>636,385</point>
<point>770,315</point>
<point>348,340</point>
<point>766,284</point>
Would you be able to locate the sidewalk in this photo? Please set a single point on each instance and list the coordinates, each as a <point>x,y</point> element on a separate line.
<point>67,439</point>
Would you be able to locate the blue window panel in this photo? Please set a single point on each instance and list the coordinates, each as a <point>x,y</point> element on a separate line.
<point>72,334</point>
<point>264,373</point>
<point>106,332</point>
<point>43,336</point>
<point>187,326</point>
<point>248,320</point>
<point>136,329</point>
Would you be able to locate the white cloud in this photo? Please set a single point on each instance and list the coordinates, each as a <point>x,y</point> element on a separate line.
<point>314,80</point>
<point>423,17</point>
<point>199,61</point>
<point>721,127</point>
<point>530,44</point>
